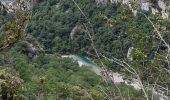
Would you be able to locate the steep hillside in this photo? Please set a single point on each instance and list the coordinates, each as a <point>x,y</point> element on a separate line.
<point>127,37</point>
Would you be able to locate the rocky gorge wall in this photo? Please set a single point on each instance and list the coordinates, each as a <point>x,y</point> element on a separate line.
<point>161,7</point>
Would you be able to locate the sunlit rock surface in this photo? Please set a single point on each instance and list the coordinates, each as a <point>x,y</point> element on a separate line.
<point>161,6</point>
<point>11,5</point>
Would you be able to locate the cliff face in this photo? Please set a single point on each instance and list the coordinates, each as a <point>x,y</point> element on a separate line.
<point>12,5</point>
<point>155,6</point>
<point>8,4</point>
<point>161,7</point>
<point>103,1</point>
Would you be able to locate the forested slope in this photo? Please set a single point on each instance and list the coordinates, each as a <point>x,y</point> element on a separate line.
<point>117,41</point>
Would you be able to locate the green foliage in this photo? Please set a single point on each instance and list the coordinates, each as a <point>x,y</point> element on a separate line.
<point>114,30</point>
<point>10,85</point>
<point>138,55</point>
<point>52,77</point>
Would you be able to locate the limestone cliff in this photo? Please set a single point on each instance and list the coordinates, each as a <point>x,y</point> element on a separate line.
<point>161,7</point>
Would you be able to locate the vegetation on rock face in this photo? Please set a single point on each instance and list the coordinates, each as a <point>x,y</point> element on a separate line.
<point>14,28</point>
<point>115,31</point>
<point>33,69</point>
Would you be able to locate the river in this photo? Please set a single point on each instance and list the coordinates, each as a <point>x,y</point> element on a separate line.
<point>84,61</point>
<point>87,62</point>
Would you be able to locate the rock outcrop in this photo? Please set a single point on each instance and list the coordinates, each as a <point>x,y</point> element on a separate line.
<point>12,5</point>
<point>104,1</point>
<point>161,7</point>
